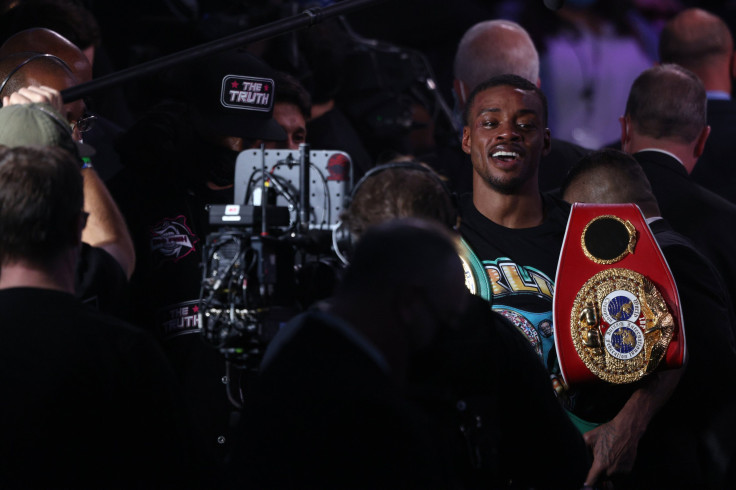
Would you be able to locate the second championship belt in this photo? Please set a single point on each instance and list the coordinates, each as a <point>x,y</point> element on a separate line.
<point>616,309</point>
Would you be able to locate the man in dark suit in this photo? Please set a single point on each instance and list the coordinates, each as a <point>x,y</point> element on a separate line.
<point>702,43</point>
<point>666,132</point>
<point>688,441</point>
<point>488,49</point>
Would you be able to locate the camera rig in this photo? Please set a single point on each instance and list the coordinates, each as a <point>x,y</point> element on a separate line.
<point>279,230</point>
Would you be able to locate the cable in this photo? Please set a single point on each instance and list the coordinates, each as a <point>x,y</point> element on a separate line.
<point>339,254</point>
<point>327,204</point>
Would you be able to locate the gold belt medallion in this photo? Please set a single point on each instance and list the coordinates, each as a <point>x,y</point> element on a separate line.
<point>621,325</point>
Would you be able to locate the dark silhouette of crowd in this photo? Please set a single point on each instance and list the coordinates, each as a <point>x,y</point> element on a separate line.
<point>327,258</point>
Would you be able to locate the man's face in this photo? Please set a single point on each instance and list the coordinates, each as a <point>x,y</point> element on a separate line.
<point>291,119</point>
<point>506,138</point>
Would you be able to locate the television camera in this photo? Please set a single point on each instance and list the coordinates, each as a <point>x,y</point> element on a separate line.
<point>272,247</point>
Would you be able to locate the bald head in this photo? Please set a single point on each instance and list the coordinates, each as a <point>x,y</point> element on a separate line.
<point>495,47</point>
<point>667,102</point>
<point>42,40</point>
<point>610,177</point>
<point>695,38</point>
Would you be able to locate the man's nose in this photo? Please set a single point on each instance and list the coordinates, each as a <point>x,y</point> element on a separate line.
<point>508,132</point>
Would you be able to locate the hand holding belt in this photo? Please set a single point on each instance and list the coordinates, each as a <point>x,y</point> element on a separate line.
<point>616,308</point>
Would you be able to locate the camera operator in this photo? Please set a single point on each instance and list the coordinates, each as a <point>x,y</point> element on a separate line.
<point>179,158</point>
<point>292,109</point>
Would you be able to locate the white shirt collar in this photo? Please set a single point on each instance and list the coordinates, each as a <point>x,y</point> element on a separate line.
<point>663,151</point>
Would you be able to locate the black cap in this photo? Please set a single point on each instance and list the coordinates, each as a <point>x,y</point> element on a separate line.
<point>234,93</point>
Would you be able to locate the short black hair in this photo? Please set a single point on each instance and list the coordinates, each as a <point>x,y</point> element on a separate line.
<point>511,81</point>
<point>290,91</point>
<point>401,189</point>
<point>625,180</point>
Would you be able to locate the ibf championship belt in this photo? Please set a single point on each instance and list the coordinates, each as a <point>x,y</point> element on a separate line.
<point>616,308</point>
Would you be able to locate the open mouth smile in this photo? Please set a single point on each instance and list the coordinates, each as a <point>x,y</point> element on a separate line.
<point>505,156</point>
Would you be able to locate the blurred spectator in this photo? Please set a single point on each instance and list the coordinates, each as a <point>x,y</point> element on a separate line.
<point>107,229</point>
<point>179,158</point>
<point>100,131</point>
<point>702,43</point>
<point>690,441</point>
<point>331,401</point>
<point>666,131</point>
<point>91,401</point>
<point>107,252</point>
<point>75,22</point>
<point>590,53</point>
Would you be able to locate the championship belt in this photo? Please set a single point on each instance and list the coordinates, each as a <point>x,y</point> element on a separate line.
<point>616,309</point>
<point>476,277</point>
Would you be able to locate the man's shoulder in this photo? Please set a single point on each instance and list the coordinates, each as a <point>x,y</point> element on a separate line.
<point>722,111</point>
<point>556,211</point>
<point>666,175</point>
<point>54,310</point>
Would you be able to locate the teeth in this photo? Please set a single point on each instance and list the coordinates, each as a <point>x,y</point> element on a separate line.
<point>502,154</point>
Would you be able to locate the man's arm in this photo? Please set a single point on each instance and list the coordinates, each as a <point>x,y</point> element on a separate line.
<point>614,444</point>
<point>106,226</point>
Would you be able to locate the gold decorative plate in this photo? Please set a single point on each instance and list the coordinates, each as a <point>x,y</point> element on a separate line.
<point>621,325</point>
<point>608,239</point>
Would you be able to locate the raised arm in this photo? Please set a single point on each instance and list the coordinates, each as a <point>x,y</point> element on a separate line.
<point>106,226</point>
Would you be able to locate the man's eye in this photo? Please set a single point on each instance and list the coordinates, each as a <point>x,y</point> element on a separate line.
<point>526,125</point>
<point>489,124</point>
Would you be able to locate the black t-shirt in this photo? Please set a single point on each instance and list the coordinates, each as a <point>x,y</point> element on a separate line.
<point>521,266</point>
<point>88,401</point>
<point>100,282</point>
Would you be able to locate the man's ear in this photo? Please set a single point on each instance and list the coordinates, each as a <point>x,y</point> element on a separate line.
<point>460,90</point>
<point>547,142</point>
<point>700,142</point>
<point>466,139</point>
